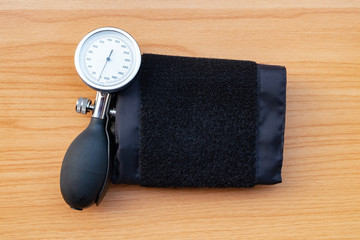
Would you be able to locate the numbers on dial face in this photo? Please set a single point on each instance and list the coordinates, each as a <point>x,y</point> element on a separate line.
<point>108,60</point>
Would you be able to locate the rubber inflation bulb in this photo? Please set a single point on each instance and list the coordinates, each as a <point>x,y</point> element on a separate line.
<point>85,166</point>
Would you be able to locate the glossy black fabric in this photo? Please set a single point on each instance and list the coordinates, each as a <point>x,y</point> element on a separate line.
<point>270,128</point>
<point>127,124</point>
<point>271,123</point>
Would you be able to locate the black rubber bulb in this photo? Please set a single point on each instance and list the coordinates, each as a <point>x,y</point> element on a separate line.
<point>85,166</point>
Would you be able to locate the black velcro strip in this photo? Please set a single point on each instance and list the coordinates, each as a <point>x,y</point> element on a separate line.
<point>198,122</point>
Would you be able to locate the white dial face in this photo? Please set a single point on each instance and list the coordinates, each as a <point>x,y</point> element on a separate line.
<point>107,59</point>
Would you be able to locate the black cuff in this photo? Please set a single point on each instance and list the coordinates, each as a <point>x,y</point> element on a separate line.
<point>201,123</point>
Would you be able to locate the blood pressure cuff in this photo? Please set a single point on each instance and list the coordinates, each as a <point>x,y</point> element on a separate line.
<point>198,122</point>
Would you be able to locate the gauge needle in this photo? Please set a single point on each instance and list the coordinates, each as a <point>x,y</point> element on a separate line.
<point>107,60</point>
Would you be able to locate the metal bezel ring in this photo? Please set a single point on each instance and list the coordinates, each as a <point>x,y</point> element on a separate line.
<point>122,84</point>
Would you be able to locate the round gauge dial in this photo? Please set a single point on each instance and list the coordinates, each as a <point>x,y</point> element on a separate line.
<point>107,59</point>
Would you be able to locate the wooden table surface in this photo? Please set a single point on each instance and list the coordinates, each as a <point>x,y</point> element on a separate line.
<point>317,41</point>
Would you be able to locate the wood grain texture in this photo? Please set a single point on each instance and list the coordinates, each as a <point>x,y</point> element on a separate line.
<point>319,43</point>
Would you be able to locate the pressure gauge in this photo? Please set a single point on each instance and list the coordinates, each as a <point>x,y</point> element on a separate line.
<point>107,59</point>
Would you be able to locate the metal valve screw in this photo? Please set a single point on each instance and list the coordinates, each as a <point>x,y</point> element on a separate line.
<point>83,106</point>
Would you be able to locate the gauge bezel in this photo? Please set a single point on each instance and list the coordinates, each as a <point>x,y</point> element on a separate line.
<point>123,83</point>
